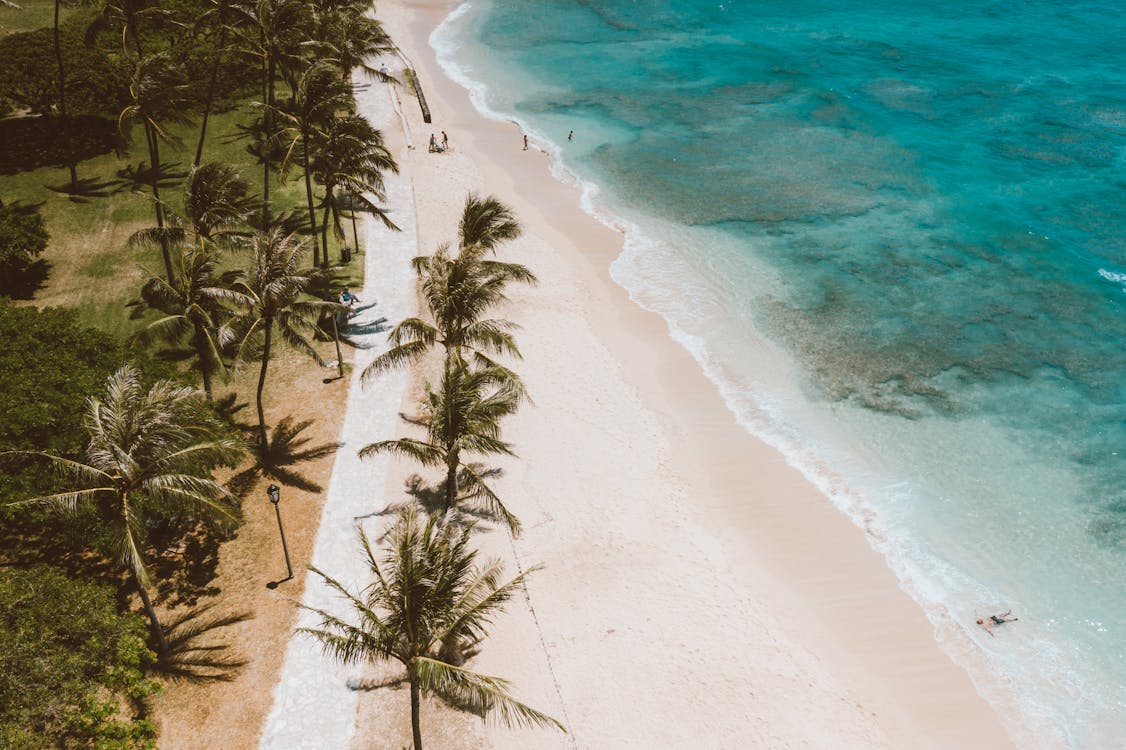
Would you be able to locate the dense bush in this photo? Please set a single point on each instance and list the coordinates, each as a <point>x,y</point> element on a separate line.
<point>32,142</point>
<point>22,238</point>
<point>71,666</point>
<point>96,82</point>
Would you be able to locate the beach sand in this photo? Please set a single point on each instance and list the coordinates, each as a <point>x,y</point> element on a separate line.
<point>696,590</point>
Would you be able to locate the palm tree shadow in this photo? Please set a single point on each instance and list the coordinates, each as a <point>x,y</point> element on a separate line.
<point>23,282</point>
<point>362,329</point>
<point>276,460</point>
<point>87,188</point>
<point>136,178</point>
<point>192,657</point>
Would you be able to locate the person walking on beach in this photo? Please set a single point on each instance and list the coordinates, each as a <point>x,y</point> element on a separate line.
<point>433,143</point>
<point>525,143</point>
<point>994,620</point>
<point>445,141</point>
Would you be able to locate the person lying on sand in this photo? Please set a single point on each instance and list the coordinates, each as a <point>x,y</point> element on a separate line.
<point>994,620</point>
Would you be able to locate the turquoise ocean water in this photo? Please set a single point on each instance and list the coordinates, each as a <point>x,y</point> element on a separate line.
<point>894,235</point>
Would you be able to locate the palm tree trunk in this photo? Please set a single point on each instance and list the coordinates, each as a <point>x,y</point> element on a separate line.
<point>262,436</point>
<point>267,126</point>
<point>416,727</point>
<point>352,210</point>
<point>204,354</point>
<point>68,135</point>
<point>324,232</point>
<point>157,630</point>
<point>309,199</point>
<point>154,159</point>
<point>451,480</point>
<point>211,83</point>
<point>336,337</point>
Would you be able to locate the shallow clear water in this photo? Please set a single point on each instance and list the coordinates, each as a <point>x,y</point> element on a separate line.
<point>894,235</point>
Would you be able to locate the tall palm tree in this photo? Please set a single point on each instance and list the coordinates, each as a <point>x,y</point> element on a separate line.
<point>272,32</point>
<point>350,155</point>
<point>428,593</point>
<point>218,16</point>
<point>149,455</point>
<point>271,296</point>
<point>193,309</point>
<point>318,97</point>
<point>157,97</point>
<point>462,417</point>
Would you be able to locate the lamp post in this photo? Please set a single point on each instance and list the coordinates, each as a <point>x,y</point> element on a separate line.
<point>275,498</point>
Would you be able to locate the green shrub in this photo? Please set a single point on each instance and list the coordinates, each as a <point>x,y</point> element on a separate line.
<point>71,667</point>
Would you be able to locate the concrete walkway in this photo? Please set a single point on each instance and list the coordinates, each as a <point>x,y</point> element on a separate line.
<point>313,706</point>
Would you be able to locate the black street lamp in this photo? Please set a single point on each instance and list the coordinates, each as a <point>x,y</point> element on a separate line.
<point>275,498</point>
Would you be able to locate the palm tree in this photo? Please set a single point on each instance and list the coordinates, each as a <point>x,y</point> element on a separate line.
<point>193,308</point>
<point>319,95</point>
<point>150,454</point>
<point>271,295</point>
<point>350,155</point>
<point>217,202</point>
<point>458,291</point>
<point>158,96</point>
<point>462,417</point>
<point>428,594</point>
<point>271,32</point>
<point>350,38</point>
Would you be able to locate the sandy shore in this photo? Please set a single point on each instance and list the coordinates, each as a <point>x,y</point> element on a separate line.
<point>697,591</point>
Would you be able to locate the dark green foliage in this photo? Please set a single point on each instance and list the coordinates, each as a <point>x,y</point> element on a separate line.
<point>71,667</point>
<point>49,364</point>
<point>22,238</point>
<point>28,143</point>
<point>95,81</point>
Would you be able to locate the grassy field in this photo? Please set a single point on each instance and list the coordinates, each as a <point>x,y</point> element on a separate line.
<point>29,15</point>
<point>92,266</point>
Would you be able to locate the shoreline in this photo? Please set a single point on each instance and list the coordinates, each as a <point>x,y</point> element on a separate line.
<point>830,649</point>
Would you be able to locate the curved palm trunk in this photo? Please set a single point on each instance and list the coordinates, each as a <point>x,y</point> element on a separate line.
<point>416,726</point>
<point>309,199</point>
<point>157,629</point>
<point>62,103</point>
<point>211,83</point>
<point>154,159</point>
<point>262,436</point>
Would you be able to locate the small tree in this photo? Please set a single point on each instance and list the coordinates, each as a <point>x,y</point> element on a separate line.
<point>429,600</point>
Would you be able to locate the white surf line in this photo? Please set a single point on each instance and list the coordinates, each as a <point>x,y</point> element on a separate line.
<point>313,706</point>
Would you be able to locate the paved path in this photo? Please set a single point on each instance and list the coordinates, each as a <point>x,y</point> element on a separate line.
<point>313,706</point>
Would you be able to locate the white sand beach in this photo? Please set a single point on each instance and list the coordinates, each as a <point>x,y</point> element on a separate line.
<point>696,590</point>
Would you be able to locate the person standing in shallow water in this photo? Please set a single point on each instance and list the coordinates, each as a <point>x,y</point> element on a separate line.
<point>570,135</point>
<point>525,143</point>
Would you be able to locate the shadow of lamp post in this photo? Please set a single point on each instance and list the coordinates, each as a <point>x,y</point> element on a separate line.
<point>275,498</point>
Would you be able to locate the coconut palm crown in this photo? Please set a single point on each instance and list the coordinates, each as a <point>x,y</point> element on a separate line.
<point>428,598</point>
<point>149,454</point>
<point>459,290</point>
<point>462,417</point>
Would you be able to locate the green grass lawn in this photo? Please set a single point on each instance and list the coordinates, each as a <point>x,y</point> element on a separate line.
<point>30,15</point>
<point>92,266</point>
